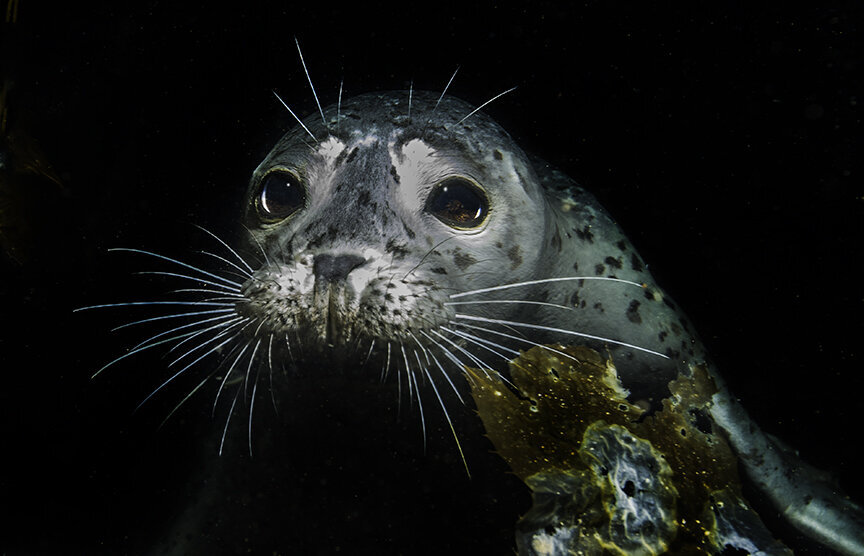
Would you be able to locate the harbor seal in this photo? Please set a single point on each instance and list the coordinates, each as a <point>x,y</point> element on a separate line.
<point>408,232</point>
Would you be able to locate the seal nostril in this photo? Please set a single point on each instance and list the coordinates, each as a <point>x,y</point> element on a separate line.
<point>333,268</point>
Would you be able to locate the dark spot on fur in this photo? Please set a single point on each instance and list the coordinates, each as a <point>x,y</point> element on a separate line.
<point>649,295</point>
<point>408,230</point>
<point>633,312</point>
<point>439,270</point>
<point>613,262</point>
<point>497,154</point>
<point>353,152</point>
<point>499,245</point>
<point>463,260</point>
<point>675,329</point>
<point>621,245</point>
<point>636,263</point>
<point>599,307</point>
<point>397,249</point>
<point>363,198</point>
<point>585,234</point>
<point>555,242</point>
<point>574,299</point>
<point>576,266</point>
<point>599,270</point>
<point>394,174</point>
<point>662,336</point>
<point>671,353</point>
<point>515,257</point>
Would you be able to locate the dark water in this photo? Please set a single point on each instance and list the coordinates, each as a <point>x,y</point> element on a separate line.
<point>726,143</point>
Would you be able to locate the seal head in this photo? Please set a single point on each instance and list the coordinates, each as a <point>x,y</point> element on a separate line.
<point>381,224</point>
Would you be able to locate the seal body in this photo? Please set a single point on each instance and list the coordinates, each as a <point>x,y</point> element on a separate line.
<point>411,231</point>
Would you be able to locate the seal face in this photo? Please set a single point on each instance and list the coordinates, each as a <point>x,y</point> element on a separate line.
<point>406,232</point>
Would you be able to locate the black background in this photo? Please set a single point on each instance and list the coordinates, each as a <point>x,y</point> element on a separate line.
<point>725,141</point>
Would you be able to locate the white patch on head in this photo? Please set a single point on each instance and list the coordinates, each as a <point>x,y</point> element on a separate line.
<point>330,149</point>
<point>410,160</point>
<point>368,140</point>
<point>360,277</point>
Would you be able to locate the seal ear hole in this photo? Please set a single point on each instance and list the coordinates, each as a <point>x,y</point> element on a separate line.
<point>280,194</point>
<point>458,203</point>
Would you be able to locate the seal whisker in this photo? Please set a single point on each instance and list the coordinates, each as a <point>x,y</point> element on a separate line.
<point>423,349</point>
<point>220,312</point>
<point>243,272</point>
<point>481,342</point>
<point>181,371</point>
<point>546,281</point>
<point>419,404</point>
<point>339,106</point>
<point>458,362</point>
<point>258,243</point>
<point>368,354</point>
<point>517,338</point>
<point>175,261</point>
<point>143,303</point>
<point>249,368</point>
<point>429,252</point>
<point>185,398</point>
<point>227,294</point>
<point>252,404</point>
<point>189,325</point>
<point>228,374</point>
<point>228,289</point>
<point>385,370</point>
<point>444,92</point>
<point>496,97</point>
<point>220,334</point>
<point>410,97</point>
<point>308,78</point>
<point>447,415</point>
<point>290,353</point>
<point>228,420</point>
<point>299,121</point>
<point>409,373</point>
<point>447,376</point>
<point>270,366</point>
<point>562,331</point>
<point>228,247</point>
<point>480,364</point>
<point>138,350</point>
<point>509,301</point>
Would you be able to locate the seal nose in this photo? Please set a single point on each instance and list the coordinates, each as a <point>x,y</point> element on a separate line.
<point>333,268</point>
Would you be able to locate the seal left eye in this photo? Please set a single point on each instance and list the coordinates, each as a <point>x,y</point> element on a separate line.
<point>279,196</point>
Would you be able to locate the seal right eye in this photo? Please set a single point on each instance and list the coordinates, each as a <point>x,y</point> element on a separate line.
<point>458,203</point>
<point>280,195</point>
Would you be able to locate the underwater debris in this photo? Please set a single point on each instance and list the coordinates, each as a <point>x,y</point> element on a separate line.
<point>606,479</point>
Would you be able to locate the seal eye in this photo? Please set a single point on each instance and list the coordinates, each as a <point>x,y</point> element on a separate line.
<point>280,195</point>
<point>458,203</point>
